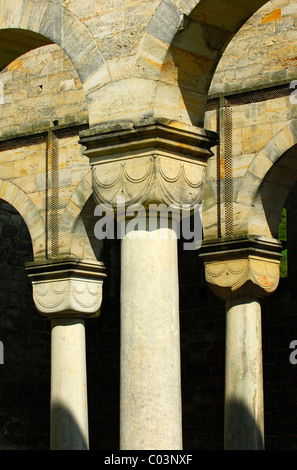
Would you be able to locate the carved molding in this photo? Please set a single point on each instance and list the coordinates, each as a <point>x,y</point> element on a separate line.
<point>153,161</point>
<point>67,288</point>
<point>149,180</point>
<point>242,268</point>
<point>247,277</point>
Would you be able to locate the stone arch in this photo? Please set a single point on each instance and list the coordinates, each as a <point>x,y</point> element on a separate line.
<point>78,236</point>
<point>76,203</point>
<point>183,44</point>
<point>267,183</point>
<point>35,23</point>
<point>18,199</point>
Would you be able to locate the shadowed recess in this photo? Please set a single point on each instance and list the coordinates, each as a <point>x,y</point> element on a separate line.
<point>16,42</point>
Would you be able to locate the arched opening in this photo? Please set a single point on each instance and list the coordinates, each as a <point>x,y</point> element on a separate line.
<point>41,90</point>
<point>24,384</point>
<point>41,94</point>
<point>183,54</point>
<point>16,42</point>
<point>251,178</point>
<point>275,188</point>
<point>279,327</point>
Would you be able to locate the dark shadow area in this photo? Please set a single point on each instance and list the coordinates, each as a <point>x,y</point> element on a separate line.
<point>103,357</point>
<point>25,374</point>
<point>66,433</point>
<point>242,431</point>
<point>15,42</point>
<point>279,326</point>
<point>202,325</point>
<point>276,187</point>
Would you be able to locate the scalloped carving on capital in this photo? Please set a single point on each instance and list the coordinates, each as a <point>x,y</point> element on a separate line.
<point>252,276</point>
<point>148,180</point>
<point>67,287</point>
<point>73,297</point>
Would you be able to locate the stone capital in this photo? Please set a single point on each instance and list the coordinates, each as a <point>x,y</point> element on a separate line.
<point>247,267</point>
<point>152,161</point>
<point>67,288</point>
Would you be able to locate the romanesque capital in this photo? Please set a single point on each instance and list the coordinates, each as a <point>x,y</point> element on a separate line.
<point>153,161</point>
<point>67,288</point>
<point>247,267</point>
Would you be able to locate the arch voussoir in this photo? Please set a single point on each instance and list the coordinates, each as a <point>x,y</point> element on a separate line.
<point>16,197</point>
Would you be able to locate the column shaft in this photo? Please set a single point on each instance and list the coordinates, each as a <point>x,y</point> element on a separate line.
<point>151,165</point>
<point>244,416</point>
<point>69,409</point>
<point>150,403</point>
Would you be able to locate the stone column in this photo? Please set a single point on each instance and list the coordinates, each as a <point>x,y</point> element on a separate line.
<point>150,400</point>
<point>241,272</point>
<point>68,292</point>
<point>149,170</point>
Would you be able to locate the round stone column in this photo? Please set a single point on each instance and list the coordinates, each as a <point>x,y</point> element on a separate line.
<point>152,165</point>
<point>244,407</point>
<point>241,272</point>
<point>150,390</point>
<point>67,292</point>
<point>69,400</point>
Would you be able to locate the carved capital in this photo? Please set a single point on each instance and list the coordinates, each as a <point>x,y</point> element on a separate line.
<point>242,268</point>
<point>67,288</point>
<point>149,162</point>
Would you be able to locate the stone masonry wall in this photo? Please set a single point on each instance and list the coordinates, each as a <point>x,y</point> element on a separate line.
<point>42,90</point>
<point>263,52</point>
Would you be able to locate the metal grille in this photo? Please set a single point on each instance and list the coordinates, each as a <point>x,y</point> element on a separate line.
<point>255,96</point>
<point>53,186</point>
<point>212,104</point>
<point>218,172</point>
<point>228,168</point>
<point>52,179</point>
<point>70,131</point>
<point>223,151</point>
<point>54,211</point>
<point>19,142</point>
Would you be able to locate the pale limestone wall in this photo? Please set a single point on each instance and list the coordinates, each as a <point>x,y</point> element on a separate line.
<point>26,172</point>
<point>39,88</point>
<point>264,51</point>
<point>152,59</point>
<point>257,128</point>
<point>44,86</point>
<point>147,50</point>
<point>261,55</point>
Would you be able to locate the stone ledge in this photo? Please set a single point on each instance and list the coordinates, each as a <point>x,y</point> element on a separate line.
<point>218,248</point>
<point>61,267</point>
<point>112,138</point>
<point>242,267</point>
<point>67,288</point>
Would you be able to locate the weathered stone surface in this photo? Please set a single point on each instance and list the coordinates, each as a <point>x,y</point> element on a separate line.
<point>242,268</point>
<point>124,61</point>
<point>165,22</point>
<point>265,34</point>
<point>67,288</point>
<point>167,165</point>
